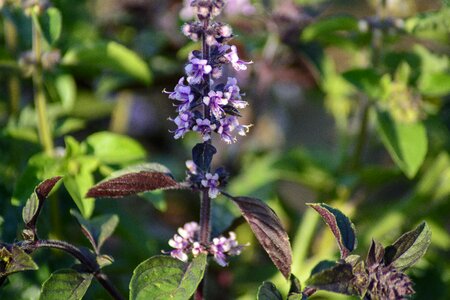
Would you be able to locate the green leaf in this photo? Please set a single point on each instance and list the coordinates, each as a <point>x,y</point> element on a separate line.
<point>330,30</point>
<point>336,279</point>
<point>109,55</point>
<point>164,277</point>
<point>40,166</point>
<point>66,284</point>
<point>341,226</point>
<point>112,148</point>
<point>435,85</point>
<point>15,260</point>
<point>409,248</point>
<point>366,80</point>
<point>51,25</point>
<point>77,186</point>
<point>406,143</point>
<point>98,229</point>
<point>268,291</point>
<point>67,90</point>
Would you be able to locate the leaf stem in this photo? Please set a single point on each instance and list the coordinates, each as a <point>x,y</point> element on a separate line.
<point>40,101</point>
<point>362,137</point>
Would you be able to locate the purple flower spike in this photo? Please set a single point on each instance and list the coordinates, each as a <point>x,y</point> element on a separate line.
<point>212,182</point>
<point>215,101</point>
<point>196,69</point>
<point>183,94</point>
<point>205,127</point>
<point>236,62</point>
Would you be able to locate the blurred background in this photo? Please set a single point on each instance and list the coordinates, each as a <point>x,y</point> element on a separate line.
<point>325,76</point>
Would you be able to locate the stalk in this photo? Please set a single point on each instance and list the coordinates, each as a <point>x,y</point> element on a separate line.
<point>10,31</point>
<point>45,135</point>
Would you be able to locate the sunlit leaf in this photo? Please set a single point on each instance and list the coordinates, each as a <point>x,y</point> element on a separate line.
<point>409,248</point>
<point>51,24</point>
<point>109,55</point>
<point>113,148</point>
<point>407,143</point>
<point>164,277</point>
<point>67,285</point>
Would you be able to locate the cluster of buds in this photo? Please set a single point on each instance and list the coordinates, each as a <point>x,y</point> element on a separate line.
<point>386,282</point>
<point>186,243</point>
<point>207,103</point>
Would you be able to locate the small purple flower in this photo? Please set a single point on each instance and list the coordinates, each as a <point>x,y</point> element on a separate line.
<point>212,183</point>
<point>196,69</point>
<point>236,62</point>
<point>180,244</point>
<point>215,100</point>
<point>226,130</point>
<point>183,94</point>
<point>183,122</point>
<point>205,127</point>
<point>219,248</point>
<point>233,94</point>
<point>197,249</point>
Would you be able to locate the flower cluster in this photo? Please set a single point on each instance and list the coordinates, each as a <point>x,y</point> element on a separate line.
<point>207,103</point>
<point>186,243</point>
<point>211,181</point>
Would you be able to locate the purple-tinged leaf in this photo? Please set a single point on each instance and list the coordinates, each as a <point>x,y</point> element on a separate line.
<point>322,265</point>
<point>34,205</point>
<point>267,228</point>
<point>135,180</point>
<point>98,229</point>
<point>268,291</point>
<point>409,248</point>
<point>336,279</point>
<point>376,254</point>
<point>202,155</point>
<point>340,225</point>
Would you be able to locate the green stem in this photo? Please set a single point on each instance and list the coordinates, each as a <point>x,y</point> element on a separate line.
<point>13,81</point>
<point>40,100</point>
<point>302,242</point>
<point>362,137</point>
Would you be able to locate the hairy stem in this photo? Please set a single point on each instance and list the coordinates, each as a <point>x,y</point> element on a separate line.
<point>40,100</point>
<point>86,260</point>
<point>205,217</point>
